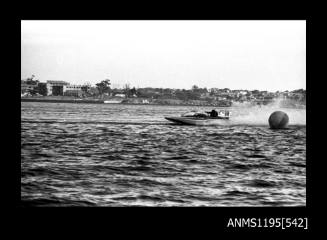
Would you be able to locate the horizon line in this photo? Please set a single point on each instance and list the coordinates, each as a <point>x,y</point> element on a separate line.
<point>121,87</point>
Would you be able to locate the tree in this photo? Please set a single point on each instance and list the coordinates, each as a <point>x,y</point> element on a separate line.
<point>145,93</point>
<point>133,91</point>
<point>194,88</point>
<point>129,91</point>
<point>42,89</point>
<point>103,86</point>
<point>126,88</point>
<point>32,81</point>
<point>212,92</point>
<point>191,95</point>
<point>86,87</point>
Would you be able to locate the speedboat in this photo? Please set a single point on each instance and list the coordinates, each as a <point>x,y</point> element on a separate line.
<point>199,118</point>
<point>113,101</point>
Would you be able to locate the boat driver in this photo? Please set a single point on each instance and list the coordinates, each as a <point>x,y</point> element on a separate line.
<point>213,113</point>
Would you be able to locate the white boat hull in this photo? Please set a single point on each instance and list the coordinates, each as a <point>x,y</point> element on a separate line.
<point>197,121</point>
<point>112,101</point>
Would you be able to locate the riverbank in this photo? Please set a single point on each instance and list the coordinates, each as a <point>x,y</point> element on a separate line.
<point>125,101</point>
<point>30,99</point>
<point>143,101</point>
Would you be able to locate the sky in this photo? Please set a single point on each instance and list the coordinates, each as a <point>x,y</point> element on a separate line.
<point>262,55</point>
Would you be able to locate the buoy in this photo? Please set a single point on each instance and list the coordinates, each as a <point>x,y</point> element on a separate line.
<point>278,120</point>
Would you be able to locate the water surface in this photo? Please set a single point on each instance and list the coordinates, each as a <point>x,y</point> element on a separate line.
<point>125,155</point>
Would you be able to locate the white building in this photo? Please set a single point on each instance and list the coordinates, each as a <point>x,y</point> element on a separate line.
<point>120,95</point>
<point>60,88</point>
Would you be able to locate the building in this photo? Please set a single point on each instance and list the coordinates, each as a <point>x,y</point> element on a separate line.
<point>73,90</point>
<point>60,88</point>
<point>56,88</point>
<point>120,95</point>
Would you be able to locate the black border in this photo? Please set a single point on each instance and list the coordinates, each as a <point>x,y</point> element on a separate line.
<point>186,219</point>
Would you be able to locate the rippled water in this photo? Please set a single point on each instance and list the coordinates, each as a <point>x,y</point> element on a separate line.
<point>124,155</point>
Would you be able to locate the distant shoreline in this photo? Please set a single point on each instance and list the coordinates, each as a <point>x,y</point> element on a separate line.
<point>101,101</point>
<point>60,100</point>
<point>98,101</point>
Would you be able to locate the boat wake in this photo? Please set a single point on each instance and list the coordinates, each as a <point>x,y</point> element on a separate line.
<point>259,115</point>
<point>55,121</point>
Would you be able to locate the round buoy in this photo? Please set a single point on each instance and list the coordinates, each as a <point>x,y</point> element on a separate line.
<point>278,120</point>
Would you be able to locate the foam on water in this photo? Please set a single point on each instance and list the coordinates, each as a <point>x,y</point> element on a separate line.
<point>259,115</point>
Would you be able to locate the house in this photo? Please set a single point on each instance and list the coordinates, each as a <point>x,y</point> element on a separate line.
<point>120,95</point>
<point>73,90</point>
<point>55,87</point>
<point>61,88</point>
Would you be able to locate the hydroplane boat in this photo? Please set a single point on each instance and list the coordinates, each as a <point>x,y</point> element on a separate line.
<point>202,118</point>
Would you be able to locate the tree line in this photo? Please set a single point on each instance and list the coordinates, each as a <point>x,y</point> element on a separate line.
<point>195,93</point>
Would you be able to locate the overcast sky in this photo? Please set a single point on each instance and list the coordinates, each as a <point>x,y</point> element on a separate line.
<point>263,55</point>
